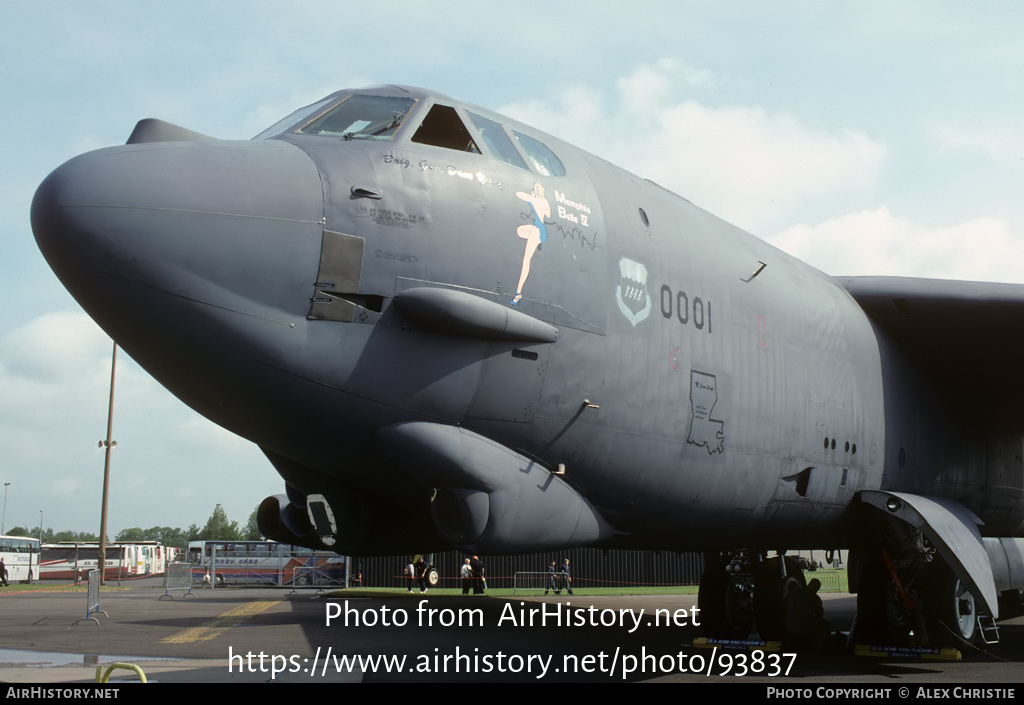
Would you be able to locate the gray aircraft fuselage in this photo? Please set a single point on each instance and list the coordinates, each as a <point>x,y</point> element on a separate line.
<point>445,328</point>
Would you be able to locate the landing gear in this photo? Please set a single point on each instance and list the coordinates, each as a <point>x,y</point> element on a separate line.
<point>742,589</point>
<point>951,607</point>
<point>919,572</point>
<point>778,599</point>
<point>914,602</point>
<point>888,613</point>
<point>726,599</point>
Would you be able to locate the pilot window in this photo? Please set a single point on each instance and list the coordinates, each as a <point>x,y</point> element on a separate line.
<point>299,116</point>
<point>544,160</point>
<point>364,117</point>
<point>497,141</point>
<point>442,127</point>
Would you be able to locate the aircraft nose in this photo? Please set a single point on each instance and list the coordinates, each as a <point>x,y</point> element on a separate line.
<point>186,218</point>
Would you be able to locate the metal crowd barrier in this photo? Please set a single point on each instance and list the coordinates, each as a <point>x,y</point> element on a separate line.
<point>310,577</point>
<point>93,599</point>
<point>829,579</point>
<point>178,576</point>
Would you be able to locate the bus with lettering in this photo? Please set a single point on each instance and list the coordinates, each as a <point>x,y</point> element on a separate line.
<point>72,560</point>
<point>264,563</point>
<point>21,558</point>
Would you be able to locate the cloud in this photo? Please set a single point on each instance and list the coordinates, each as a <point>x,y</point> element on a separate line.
<point>999,143</point>
<point>766,170</point>
<point>56,347</point>
<point>878,242</point>
<point>54,387</point>
<point>747,163</point>
<point>753,167</point>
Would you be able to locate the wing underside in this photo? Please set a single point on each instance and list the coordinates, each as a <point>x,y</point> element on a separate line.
<point>967,337</point>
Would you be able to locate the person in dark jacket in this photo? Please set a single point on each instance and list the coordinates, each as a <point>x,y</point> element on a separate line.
<point>421,573</point>
<point>552,580</point>
<point>477,566</point>
<point>566,577</point>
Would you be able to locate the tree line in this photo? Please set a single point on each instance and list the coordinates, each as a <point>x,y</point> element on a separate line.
<point>217,528</point>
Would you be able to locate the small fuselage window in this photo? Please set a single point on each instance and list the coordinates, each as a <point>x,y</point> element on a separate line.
<point>544,161</point>
<point>363,117</point>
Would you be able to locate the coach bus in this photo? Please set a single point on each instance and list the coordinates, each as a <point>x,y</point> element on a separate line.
<point>265,563</point>
<point>70,560</point>
<point>21,558</point>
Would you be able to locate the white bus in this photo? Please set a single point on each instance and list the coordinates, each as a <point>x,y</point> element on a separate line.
<point>151,557</point>
<point>71,560</point>
<point>21,558</point>
<point>265,563</point>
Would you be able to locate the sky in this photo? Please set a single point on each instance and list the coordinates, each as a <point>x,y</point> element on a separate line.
<point>865,138</point>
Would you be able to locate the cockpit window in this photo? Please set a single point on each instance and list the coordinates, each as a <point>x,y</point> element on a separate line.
<point>297,118</point>
<point>544,161</point>
<point>497,141</point>
<point>363,117</point>
<point>442,127</point>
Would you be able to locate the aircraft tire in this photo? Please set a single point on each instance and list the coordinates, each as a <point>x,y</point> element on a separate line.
<point>725,604</point>
<point>773,595</point>
<point>433,578</point>
<point>951,609</point>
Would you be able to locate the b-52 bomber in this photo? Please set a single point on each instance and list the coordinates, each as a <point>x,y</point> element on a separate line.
<point>446,329</point>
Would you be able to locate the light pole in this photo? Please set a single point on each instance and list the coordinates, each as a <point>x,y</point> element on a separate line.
<point>108,444</point>
<point>3,522</point>
<point>40,527</point>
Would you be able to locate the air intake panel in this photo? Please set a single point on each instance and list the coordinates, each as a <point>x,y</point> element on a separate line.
<point>280,520</point>
<point>487,498</point>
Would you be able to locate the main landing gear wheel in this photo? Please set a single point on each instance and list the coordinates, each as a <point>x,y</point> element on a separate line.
<point>725,603</point>
<point>952,611</point>
<point>775,596</point>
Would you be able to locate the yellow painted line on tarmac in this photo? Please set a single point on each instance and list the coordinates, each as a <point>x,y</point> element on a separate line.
<point>218,625</point>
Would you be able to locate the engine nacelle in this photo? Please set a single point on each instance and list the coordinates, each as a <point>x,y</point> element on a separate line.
<point>346,522</point>
<point>1007,558</point>
<point>280,520</point>
<point>489,499</point>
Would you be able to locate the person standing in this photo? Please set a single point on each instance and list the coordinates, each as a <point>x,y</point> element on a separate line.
<point>566,576</point>
<point>3,572</point>
<point>467,577</point>
<point>477,567</point>
<point>421,573</point>
<point>552,580</point>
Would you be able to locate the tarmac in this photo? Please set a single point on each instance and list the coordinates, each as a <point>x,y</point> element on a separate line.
<point>245,635</point>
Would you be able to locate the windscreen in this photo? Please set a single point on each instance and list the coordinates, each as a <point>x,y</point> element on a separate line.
<point>298,117</point>
<point>365,117</point>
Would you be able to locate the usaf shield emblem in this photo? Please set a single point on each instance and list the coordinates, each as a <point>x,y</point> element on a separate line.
<point>631,293</point>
